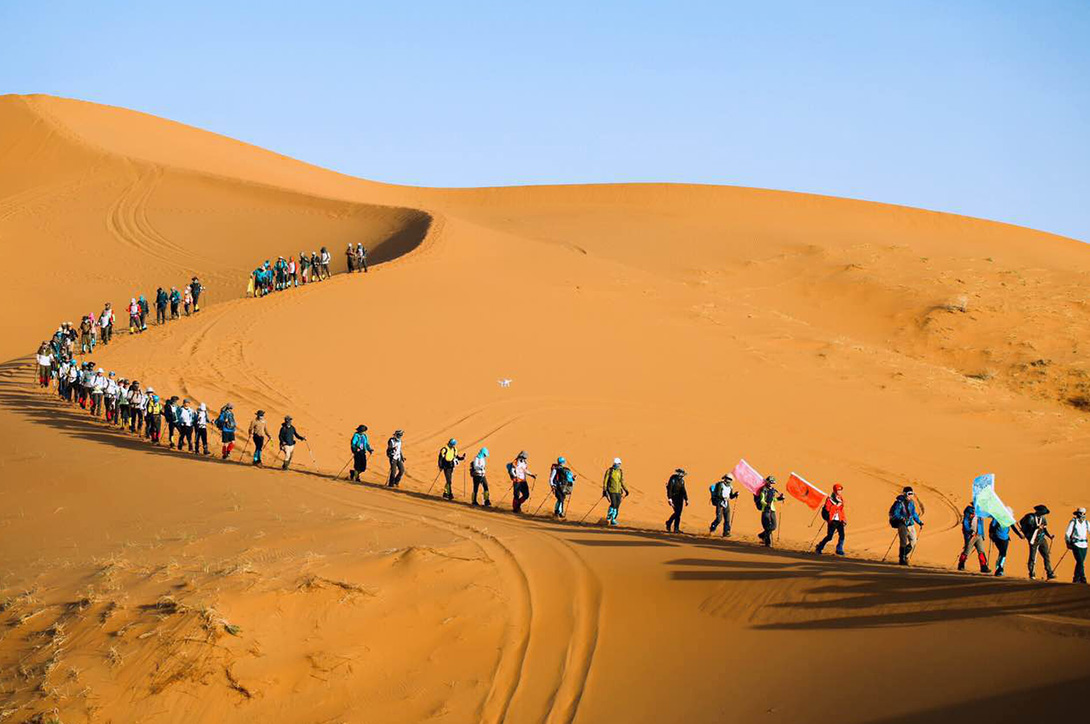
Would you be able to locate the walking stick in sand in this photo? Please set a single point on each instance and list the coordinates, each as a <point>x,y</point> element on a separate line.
<point>343,469</point>
<point>587,514</point>
<point>1057,566</point>
<point>895,535</point>
<point>311,452</point>
<point>463,483</point>
<point>436,478</point>
<point>539,505</point>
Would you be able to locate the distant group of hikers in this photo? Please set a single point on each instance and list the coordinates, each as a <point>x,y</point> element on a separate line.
<point>125,404</point>
<point>288,273</point>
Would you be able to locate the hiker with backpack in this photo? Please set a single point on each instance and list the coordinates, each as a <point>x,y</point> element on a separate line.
<point>225,422</point>
<point>154,416</point>
<point>175,301</point>
<point>1001,536</point>
<point>972,532</point>
<point>396,458</point>
<point>350,257</point>
<point>832,512</point>
<point>195,290</point>
<point>361,257</point>
<point>614,490</point>
<point>766,499</point>
<point>259,433</point>
<point>677,497</point>
<point>361,448</point>
<point>448,459</point>
<point>1076,538</point>
<point>478,472</point>
<point>903,517</point>
<point>722,492</point>
<point>519,470</point>
<point>288,436</point>
<point>186,418</point>
<point>170,414</point>
<point>106,323</point>
<point>200,429</point>
<point>1034,527</point>
<point>561,481</point>
<point>161,300</point>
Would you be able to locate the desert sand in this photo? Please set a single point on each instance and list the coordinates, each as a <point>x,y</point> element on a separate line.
<point>860,343</point>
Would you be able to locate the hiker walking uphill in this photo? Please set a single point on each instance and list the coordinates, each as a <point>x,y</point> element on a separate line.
<point>1034,527</point>
<point>903,517</point>
<point>677,497</point>
<point>175,302</point>
<point>1001,536</point>
<point>396,458</point>
<point>288,436</point>
<point>361,257</point>
<point>972,532</point>
<point>832,512</point>
<point>561,480</point>
<point>170,414</point>
<point>200,429</point>
<point>160,306</point>
<point>519,470</point>
<point>259,433</point>
<point>449,457</point>
<point>185,425</point>
<point>722,492</point>
<point>361,448</point>
<point>767,497</point>
<point>614,490</point>
<point>479,473</point>
<point>1076,538</point>
<point>154,416</point>
<point>225,422</point>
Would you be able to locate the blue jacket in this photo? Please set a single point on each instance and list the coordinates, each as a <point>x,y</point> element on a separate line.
<point>360,442</point>
<point>907,509</point>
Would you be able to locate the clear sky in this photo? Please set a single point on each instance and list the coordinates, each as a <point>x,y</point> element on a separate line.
<point>976,107</point>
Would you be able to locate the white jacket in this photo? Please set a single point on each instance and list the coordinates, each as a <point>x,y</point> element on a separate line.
<point>1076,532</point>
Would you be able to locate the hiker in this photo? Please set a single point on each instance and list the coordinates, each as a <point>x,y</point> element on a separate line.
<point>161,306</point>
<point>561,480</point>
<point>144,309</point>
<point>448,460</point>
<point>138,404</point>
<point>478,472</point>
<point>170,414</point>
<point>519,470</point>
<point>350,257</point>
<point>677,497</point>
<point>110,399</point>
<point>1034,527</point>
<point>832,512</point>
<point>123,396</point>
<point>288,435</point>
<point>45,365</point>
<point>304,267</point>
<point>259,433</point>
<point>1075,537</point>
<point>200,428</point>
<point>187,300</point>
<point>1001,536</point>
<point>185,425</point>
<point>722,492</point>
<point>175,301</point>
<point>315,267</point>
<point>134,316</point>
<point>106,323</point>
<point>396,459</point>
<point>361,448</point>
<point>361,257</point>
<point>903,517</point>
<point>195,290</point>
<point>225,422</point>
<point>154,416</point>
<point>614,490</point>
<point>326,259</point>
<point>767,497</point>
<point>98,391</point>
<point>972,532</point>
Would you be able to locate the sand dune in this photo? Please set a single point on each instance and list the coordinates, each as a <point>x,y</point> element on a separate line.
<point>672,325</point>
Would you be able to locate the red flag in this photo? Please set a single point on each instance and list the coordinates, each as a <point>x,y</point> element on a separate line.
<point>804,491</point>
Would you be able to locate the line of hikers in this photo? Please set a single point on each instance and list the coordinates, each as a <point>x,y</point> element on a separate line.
<point>1032,528</point>
<point>289,273</point>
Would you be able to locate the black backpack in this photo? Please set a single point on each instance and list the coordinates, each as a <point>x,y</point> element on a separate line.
<point>824,513</point>
<point>1027,526</point>
<point>896,514</point>
<point>674,487</point>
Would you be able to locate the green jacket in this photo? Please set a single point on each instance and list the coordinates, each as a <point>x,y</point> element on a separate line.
<point>613,481</point>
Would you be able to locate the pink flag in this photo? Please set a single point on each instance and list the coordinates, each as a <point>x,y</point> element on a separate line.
<point>750,479</point>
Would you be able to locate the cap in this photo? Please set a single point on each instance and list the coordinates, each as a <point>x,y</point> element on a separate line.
<point>287,418</point>
<point>771,479</point>
<point>729,478</point>
<point>100,370</point>
<point>229,406</point>
<point>1080,511</point>
<point>203,406</point>
<point>361,428</point>
<point>522,455</point>
<point>837,487</point>
<point>452,441</point>
<point>152,389</point>
<point>483,452</point>
<point>616,461</point>
<point>1041,510</point>
<point>680,471</point>
<point>561,460</point>
<point>907,489</point>
<point>398,433</point>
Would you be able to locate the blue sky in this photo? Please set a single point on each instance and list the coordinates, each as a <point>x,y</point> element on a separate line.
<point>980,108</point>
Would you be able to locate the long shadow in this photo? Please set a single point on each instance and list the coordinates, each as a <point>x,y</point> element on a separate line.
<point>404,240</point>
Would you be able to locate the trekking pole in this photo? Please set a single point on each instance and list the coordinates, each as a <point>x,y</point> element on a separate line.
<point>1057,566</point>
<point>591,509</point>
<point>815,538</point>
<point>463,483</point>
<point>895,535</point>
<point>539,506</point>
<point>311,452</point>
<point>343,469</point>
<point>434,480</point>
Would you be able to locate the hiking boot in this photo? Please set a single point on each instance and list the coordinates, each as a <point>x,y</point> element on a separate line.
<point>840,551</point>
<point>667,526</point>
<point>985,569</point>
<point>475,504</point>
<point>998,572</point>
<point>819,549</point>
<point>488,503</point>
<point>1051,576</point>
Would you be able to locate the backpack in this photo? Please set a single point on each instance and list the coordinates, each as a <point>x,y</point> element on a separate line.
<point>511,470</point>
<point>219,423</point>
<point>716,498</point>
<point>824,513</point>
<point>674,487</point>
<point>896,514</point>
<point>1027,526</point>
<point>757,501</point>
<point>391,447</point>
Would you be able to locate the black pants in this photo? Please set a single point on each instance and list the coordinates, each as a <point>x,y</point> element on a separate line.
<point>160,315</point>
<point>173,310</point>
<point>769,523</point>
<point>154,422</point>
<point>448,473</point>
<point>170,432</point>
<point>675,519</point>
<point>522,494</point>
<point>1039,545</point>
<point>1080,564</point>
<point>1001,553</point>
<point>259,443</point>
<point>359,462</point>
<point>397,471</point>
<point>185,435</point>
<point>202,438</point>
<point>836,527</point>
<point>722,514</point>
<point>480,482</point>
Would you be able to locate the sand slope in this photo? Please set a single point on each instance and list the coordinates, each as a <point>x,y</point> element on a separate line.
<point>671,325</point>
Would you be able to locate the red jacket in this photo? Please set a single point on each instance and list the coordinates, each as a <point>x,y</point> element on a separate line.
<point>835,509</point>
